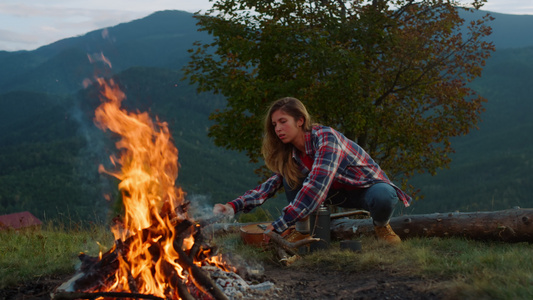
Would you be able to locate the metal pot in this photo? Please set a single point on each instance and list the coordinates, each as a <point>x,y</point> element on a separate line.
<point>253,234</point>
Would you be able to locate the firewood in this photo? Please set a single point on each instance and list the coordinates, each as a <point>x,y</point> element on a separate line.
<point>91,296</point>
<point>181,288</point>
<point>95,273</point>
<point>202,280</point>
<point>290,246</point>
<point>512,225</point>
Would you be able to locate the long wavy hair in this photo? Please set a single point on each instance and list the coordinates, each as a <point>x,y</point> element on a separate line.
<point>277,155</point>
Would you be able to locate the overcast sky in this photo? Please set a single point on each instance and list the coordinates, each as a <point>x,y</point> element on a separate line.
<point>29,24</point>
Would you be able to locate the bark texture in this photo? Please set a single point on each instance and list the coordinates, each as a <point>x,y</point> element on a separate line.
<point>511,225</point>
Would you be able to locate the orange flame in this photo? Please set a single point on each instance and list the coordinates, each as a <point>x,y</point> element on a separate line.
<point>149,169</point>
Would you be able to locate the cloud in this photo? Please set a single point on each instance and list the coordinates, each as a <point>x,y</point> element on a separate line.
<point>509,7</point>
<point>30,24</point>
<point>12,40</point>
<point>30,28</point>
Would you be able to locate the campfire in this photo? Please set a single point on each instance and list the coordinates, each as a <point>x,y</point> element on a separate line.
<point>159,250</point>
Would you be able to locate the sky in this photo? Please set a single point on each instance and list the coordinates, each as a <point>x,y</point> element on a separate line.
<point>29,24</point>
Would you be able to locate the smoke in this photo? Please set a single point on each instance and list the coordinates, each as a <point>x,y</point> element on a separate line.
<point>98,190</point>
<point>200,207</point>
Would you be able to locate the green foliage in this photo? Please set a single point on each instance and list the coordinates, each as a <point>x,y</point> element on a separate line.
<point>391,77</point>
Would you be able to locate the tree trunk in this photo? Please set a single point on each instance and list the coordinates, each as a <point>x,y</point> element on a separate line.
<point>512,225</point>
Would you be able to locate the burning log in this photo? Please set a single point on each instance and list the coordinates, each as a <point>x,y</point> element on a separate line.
<point>512,225</point>
<point>97,272</point>
<point>91,296</point>
<point>202,279</point>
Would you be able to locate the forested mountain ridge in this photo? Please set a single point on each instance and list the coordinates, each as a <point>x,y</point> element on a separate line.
<point>491,168</point>
<point>159,40</point>
<point>50,150</point>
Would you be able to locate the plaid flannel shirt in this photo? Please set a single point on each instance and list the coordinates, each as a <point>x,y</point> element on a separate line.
<point>336,158</point>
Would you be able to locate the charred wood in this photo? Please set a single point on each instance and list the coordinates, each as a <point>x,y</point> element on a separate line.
<point>91,296</point>
<point>202,280</point>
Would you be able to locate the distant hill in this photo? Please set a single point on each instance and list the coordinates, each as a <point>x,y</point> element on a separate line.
<point>508,31</point>
<point>491,168</point>
<point>159,40</point>
<point>50,149</point>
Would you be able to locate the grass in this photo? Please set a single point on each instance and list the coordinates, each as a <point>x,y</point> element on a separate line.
<point>464,269</point>
<point>32,254</point>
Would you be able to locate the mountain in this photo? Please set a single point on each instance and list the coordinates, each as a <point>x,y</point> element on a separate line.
<point>490,169</point>
<point>159,40</point>
<point>508,31</point>
<point>50,148</point>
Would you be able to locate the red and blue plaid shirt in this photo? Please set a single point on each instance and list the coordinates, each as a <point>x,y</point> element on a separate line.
<point>336,159</point>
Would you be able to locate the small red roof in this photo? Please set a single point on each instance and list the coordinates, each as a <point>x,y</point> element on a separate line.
<point>19,220</point>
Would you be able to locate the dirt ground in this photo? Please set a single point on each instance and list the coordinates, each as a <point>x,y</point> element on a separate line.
<point>289,284</point>
<point>317,284</point>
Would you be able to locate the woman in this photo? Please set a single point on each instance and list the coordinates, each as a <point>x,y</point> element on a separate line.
<point>316,164</point>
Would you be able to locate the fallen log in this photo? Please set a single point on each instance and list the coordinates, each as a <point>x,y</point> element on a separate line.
<point>512,225</point>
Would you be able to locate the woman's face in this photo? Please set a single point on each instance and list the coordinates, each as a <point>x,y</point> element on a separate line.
<point>286,127</point>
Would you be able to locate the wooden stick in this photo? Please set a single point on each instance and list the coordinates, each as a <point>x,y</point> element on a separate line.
<point>181,288</point>
<point>91,296</point>
<point>349,213</point>
<point>288,246</point>
<point>198,240</point>
<point>204,280</point>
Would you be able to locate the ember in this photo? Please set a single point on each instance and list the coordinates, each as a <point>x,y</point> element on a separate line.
<point>159,251</point>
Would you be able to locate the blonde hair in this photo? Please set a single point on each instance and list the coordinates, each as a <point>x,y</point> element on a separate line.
<point>277,155</point>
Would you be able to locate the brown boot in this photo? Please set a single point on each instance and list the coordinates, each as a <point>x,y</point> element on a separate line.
<point>386,234</point>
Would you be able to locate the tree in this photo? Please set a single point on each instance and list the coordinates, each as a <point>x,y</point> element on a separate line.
<point>391,75</point>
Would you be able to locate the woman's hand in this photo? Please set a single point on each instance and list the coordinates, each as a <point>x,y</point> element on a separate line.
<point>269,229</point>
<point>223,209</point>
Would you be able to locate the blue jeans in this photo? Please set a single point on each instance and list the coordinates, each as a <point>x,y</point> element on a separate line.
<point>379,199</point>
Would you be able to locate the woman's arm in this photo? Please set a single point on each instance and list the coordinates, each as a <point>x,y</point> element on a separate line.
<point>328,156</point>
<point>257,196</point>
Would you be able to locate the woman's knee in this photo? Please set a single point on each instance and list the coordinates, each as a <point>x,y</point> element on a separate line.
<point>382,195</point>
<point>381,199</point>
